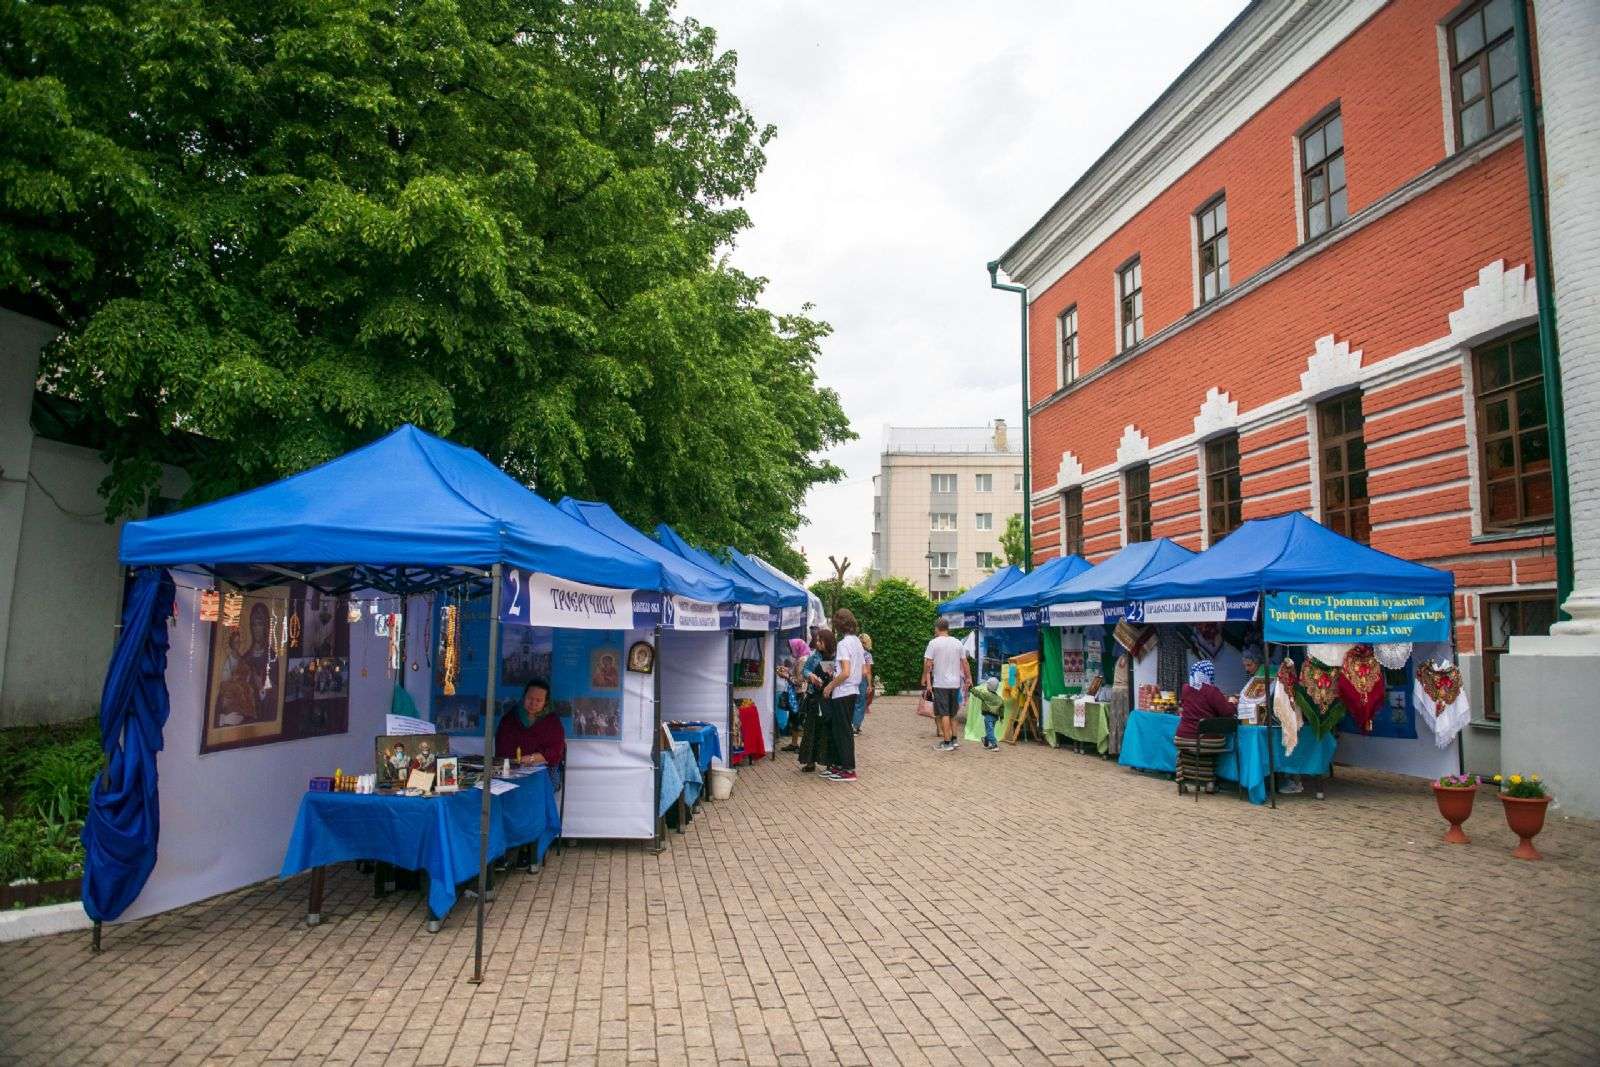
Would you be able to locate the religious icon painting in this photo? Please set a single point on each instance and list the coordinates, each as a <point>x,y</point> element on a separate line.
<point>282,673</point>
<point>642,657</point>
<point>447,774</point>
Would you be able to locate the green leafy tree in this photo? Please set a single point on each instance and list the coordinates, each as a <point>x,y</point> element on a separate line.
<point>287,228</point>
<point>1011,542</point>
<point>900,619</point>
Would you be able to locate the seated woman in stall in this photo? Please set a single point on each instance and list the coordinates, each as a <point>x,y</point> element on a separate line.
<point>531,733</point>
<point>1199,700</point>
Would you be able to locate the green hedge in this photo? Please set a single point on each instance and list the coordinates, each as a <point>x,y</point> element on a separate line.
<point>900,619</point>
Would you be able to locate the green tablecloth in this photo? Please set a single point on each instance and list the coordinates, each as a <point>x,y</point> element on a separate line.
<point>1058,718</point>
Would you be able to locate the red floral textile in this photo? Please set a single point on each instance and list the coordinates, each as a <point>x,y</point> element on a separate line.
<point>1360,686</point>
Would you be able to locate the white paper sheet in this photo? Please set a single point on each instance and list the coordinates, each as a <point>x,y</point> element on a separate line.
<point>405,724</point>
<point>498,786</point>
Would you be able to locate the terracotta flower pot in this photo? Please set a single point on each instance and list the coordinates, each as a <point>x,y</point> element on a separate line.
<point>1456,807</point>
<point>1525,816</point>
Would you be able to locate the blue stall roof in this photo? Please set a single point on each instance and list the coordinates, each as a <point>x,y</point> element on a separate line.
<point>1108,580</point>
<point>997,581</point>
<point>395,514</point>
<point>746,590</point>
<point>1026,591</point>
<point>789,594</point>
<point>1290,553</point>
<point>684,577</point>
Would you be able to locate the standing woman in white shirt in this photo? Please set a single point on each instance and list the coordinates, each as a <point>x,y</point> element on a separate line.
<point>841,695</point>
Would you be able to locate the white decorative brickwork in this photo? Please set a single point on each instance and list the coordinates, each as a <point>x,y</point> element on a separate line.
<point>1219,412</point>
<point>1134,447</point>
<point>1330,368</point>
<point>1070,472</point>
<point>1501,299</point>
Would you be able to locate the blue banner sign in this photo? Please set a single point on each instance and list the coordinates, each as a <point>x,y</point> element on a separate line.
<point>1306,618</point>
<point>1184,609</point>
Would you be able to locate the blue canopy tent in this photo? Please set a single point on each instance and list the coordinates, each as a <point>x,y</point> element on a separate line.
<point>409,513</point>
<point>1029,590</point>
<point>758,610</point>
<point>747,590</point>
<point>1313,584</point>
<point>967,603</point>
<point>814,615</point>
<point>1107,581</point>
<point>1289,553</point>
<point>680,576</point>
<point>692,668</point>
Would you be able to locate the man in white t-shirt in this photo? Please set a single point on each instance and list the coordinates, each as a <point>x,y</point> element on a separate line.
<point>840,697</point>
<point>944,674</point>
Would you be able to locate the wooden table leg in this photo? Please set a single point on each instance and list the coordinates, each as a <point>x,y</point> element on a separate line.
<point>683,815</point>
<point>319,877</point>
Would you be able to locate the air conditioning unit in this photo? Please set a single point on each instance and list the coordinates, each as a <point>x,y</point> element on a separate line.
<point>944,572</point>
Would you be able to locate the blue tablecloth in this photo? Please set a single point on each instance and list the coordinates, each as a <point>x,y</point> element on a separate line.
<point>680,777</point>
<point>437,835</point>
<point>1147,745</point>
<point>704,740</point>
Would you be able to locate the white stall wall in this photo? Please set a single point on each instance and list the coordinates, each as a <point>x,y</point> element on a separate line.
<point>611,786</point>
<point>1417,756</point>
<point>226,816</point>
<point>694,680</point>
<point>762,695</point>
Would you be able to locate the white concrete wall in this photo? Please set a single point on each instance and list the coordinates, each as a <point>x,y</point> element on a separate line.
<point>21,340</point>
<point>60,583</point>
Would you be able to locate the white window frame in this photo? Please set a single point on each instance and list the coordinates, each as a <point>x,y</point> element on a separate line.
<point>983,520</point>
<point>935,526</point>
<point>986,560</point>
<point>1062,381</point>
<point>938,481</point>
<point>983,483</point>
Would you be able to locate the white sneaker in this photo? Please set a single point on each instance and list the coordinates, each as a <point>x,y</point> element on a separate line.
<point>1291,787</point>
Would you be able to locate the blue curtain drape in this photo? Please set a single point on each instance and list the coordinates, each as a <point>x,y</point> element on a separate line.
<point>119,836</point>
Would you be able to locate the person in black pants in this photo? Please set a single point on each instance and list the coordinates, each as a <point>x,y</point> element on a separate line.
<point>841,694</point>
<point>815,742</point>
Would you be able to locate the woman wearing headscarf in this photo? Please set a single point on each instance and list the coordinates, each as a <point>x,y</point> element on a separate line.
<point>1201,699</point>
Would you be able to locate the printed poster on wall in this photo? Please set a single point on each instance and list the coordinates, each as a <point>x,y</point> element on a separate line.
<point>279,670</point>
<point>586,682</point>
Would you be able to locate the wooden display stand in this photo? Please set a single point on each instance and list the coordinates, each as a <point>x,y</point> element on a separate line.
<point>1026,720</point>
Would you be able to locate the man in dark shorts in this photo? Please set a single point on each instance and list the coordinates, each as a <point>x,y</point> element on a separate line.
<point>944,674</point>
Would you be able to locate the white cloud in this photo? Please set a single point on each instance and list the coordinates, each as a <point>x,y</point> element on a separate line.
<point>916,141</point>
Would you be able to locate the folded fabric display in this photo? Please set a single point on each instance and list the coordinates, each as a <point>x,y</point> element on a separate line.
<point>1360,685</point>
<point>1205,638</point>
<point>1441,702</point>
<point>1284,706</point>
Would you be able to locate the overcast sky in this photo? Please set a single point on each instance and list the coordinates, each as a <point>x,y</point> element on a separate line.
<point>916,140</point>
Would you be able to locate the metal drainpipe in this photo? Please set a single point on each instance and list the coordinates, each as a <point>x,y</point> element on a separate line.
<point>1549,354</point>
<point>1027,454</point>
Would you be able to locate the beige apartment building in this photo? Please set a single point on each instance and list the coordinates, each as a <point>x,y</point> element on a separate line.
<point>940,503</point>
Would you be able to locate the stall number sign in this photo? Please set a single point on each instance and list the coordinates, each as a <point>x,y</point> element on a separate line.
<point>1305,618</point>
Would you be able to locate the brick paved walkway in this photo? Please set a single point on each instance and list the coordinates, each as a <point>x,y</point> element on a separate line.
<point>1034,906</point>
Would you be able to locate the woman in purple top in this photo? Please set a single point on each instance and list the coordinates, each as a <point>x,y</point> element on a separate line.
<point>1201,699</point>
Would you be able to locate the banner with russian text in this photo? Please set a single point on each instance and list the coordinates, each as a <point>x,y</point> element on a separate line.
<point>1306,618</point>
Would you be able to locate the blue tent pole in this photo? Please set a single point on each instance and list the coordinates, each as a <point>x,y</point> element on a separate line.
<point>486,780</point>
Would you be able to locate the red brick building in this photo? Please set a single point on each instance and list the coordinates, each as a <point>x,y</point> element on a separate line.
<point>1302,281</point>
